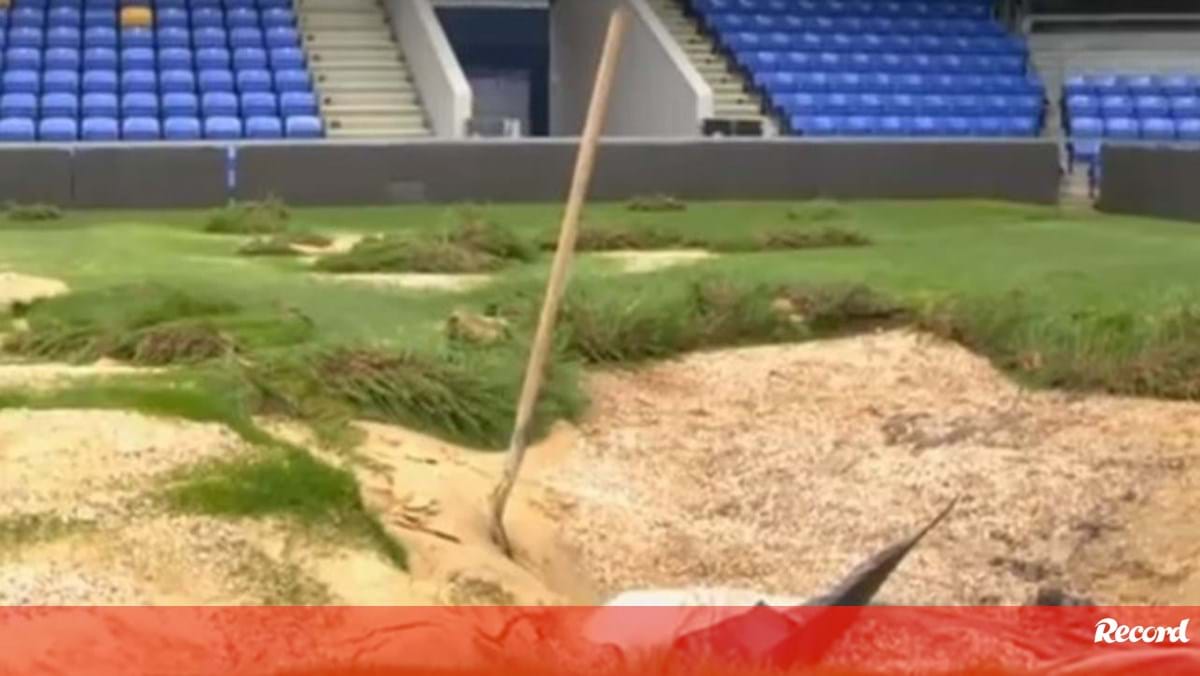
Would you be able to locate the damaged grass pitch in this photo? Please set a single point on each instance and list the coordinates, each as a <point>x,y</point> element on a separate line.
<point>473,245</point>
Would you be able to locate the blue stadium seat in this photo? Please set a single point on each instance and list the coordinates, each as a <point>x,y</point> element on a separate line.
<point>1026,105</point>
<point>100,58</point>
<point>274,4</point>
<point>1121,128</point>
<point>860,125</point>
<point>279,16</point>
<point>182,129</point>
<point>216,81</point>
<point>139,104</point>
<point>869,104</point>
<point>254,80</point>
<point>895,125</point>
<point>58,58</point>
<point>209,37</point>
<point>60,105</point>
<point>1158,128</point>
<point>27,17</point>
<point>261,127</point>
<point>18,105</point>
<point>137,37</point>
<point>304,126</point>
<point>98,104</point>
<point>1152,106</point>
<point>934,105</point>
<point>177,80</point>
<point>26,37</point>
<point>17,129</point>
<point>219,104</point>
<point>988,125</point>
<point>222,128</point>
<point>140,129</point>
<point>100,36</point>
<point>241,17</point>
<point>212,58</point>
<point>957,126</point>
<point>1185,106</point>
<point>282,36</point>
<point>1107,85</point>
<point>139,81</point>
<point>813,125</point>
<point>1179,85</point>
<point>60,82</point>
<point>1117,106</point>
<point>21,82</point>
<point>58,129</point>
<point>846,82</point>
<point>249,57</point>
<point>292,80</point>
<point>23,58</point>
<point>137,58</point>
<point>298,104</point>
<point>257,104</point>
<point>174,58</point>
<point>245,37</point>
<point>1141,85</point>
<point>180,104</point>
<point>100,81</point>
<point>64,36</point>
<point>926,125</point>
<point>64,15</point>
<point>208,17</point>
<point>170,17</point>
<point>966,105</point>
<point>905,105</point>
<point>1020,125</point>
<point>283,58</point>
<point>1083,105</point>
<point>1189,129</point>
<point>177,37</point>
<point>99,17</point>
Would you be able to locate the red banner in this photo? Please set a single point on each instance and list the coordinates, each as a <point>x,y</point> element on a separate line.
<point>608,640</point>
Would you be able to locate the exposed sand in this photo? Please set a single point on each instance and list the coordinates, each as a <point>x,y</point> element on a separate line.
<point>774,468</point>
<point>779,468</point>
<point>649,261</point>
<point>417,281</point>
<point>18,288</point>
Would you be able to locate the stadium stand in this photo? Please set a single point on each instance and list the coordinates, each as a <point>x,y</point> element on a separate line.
<point>1097,107</point>
<point>99,70</point>
<point>882,67</point>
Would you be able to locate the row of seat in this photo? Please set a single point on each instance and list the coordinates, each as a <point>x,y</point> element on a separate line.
<point>1128,128</point>
<point>801,23</point>
<point>144,58</point>
<point>104,36</point>
<point>1170,84</point>
<point>216,17</point>
<point>779,41</point>
<point>906,104</point>
<point>15,129</point>
<point>1084,105</point>
<point>109,81</point>
<point>149,105</point>
<point>863,8</point>
<point>884,62</point>
<point>156,4</point>
<point>910,83</point>
<point>895,125</point>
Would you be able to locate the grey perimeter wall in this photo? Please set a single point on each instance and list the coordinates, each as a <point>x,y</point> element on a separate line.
<point>1151,181</point>
<point>506,171</point>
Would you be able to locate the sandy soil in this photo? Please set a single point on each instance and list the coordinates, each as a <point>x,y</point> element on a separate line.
<point>43,376</point>
<point>782,467</point>
<point>419,281</point>
<point>649,261</point>
<point>774,468</point>
<point>18,288</point>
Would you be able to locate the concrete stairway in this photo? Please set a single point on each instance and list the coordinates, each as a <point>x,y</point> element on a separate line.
<point>732,97</point>
<point>362,81</point>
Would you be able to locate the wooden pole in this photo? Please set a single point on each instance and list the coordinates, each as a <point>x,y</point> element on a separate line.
<point>563,254</point>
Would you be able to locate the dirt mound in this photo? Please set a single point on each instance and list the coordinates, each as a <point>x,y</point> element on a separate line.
<point>18,288</point>
<point>779,468</point>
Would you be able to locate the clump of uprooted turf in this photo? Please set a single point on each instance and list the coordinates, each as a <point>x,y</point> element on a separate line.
<point>473,246</point>
<point>270,216</point>
<point>36,212</point>
<point>147,324</point>
<point>284,481</point>
<point>796,236</point>
<point>284,244</point>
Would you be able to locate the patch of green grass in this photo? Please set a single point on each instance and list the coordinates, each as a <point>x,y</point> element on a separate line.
<point>609,237</point>
<point>283,244</point>
<point>148,324</point>
<point>267,217</point>
<point>655,203</point>
<point>283,482</point>
<point>32,213</point>
<point>470,247</point>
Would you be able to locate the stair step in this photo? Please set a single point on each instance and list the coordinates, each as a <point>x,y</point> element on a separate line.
<point>368,98</point>
<point>377,133</point>
<point>349,109</point>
